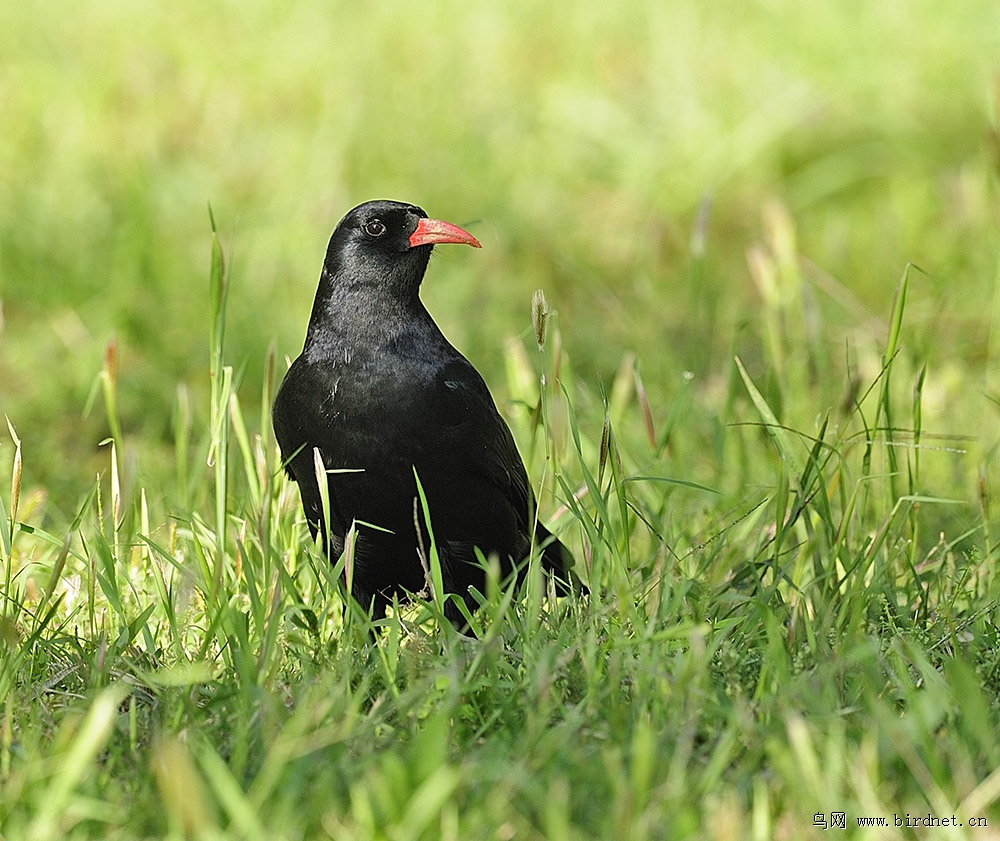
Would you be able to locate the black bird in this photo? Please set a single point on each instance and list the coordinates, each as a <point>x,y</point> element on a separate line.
<point>380,393</point>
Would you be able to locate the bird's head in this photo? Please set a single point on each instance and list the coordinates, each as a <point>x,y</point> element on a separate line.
<point>387,243</point>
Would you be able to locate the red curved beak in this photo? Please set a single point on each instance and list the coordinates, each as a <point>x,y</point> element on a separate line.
<point>431,231</point>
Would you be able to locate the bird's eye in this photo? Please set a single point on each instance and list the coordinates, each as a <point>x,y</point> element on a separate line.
<point>374,227</point>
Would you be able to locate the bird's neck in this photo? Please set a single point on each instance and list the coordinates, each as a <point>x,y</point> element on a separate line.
<point>353,315</point>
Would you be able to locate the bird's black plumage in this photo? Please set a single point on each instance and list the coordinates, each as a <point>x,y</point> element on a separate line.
<point>380,392</point>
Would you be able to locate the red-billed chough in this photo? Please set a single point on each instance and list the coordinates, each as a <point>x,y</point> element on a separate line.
<point>381,393</point>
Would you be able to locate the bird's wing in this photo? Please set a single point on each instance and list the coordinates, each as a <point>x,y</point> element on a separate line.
<point>488,451</point>
<point>485,441</point>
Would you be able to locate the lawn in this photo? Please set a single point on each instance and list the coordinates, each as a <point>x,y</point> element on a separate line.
<point>765,418</point>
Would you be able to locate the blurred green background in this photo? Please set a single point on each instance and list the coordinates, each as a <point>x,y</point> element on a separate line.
<point>623,157</point>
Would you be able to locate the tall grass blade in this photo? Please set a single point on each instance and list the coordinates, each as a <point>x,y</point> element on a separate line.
<point>778,433</point>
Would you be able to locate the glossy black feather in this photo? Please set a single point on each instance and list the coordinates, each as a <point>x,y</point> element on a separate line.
<point>379,391</point>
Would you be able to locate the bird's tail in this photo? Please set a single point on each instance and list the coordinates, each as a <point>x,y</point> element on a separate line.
<point>558,562</point>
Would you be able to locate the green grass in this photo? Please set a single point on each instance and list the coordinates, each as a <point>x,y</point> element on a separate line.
<point>764,416</point>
